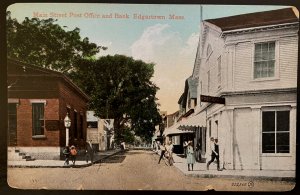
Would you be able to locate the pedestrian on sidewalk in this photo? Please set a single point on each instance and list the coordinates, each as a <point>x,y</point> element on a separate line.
<point>169,152</point>
<point>198,151</point>
<point>185,145</point>
<point>123,145</point>
<point>163,151</point>
<point>190,155</point>
<point>73,153</point>
<point>214,153</point>
<point>89,152</point>
<point>66,153</point>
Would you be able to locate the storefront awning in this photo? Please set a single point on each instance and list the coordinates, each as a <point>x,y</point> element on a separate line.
<point>191,123</point>
<point>174,130</point>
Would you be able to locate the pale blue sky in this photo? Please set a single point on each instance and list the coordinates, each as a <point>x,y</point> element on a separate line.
<point>170,44</point>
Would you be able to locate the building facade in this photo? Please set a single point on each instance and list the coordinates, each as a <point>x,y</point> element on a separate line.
<point>38,101</point>
<point>250,61</point>
<point>100,132</point>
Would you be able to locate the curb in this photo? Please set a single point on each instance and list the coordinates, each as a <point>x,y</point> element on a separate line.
<point>209,175</point>
<point>64,166</point>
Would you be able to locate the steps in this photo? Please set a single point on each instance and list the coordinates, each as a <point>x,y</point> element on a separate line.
<point>15,154</point>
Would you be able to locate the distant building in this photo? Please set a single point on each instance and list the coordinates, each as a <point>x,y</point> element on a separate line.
<point>38,101</point>
<point>172,118</point>
<point>100,131</point>
<point>187,102</point>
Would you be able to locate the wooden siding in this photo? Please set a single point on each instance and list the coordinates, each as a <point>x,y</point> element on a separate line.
<point>286,60</point>
<point>210,63</point>
<point>242,67</point>
<point>288,50</point>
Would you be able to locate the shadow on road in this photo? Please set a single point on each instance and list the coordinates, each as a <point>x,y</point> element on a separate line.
<point>115,159</point>
<point>134,152</point>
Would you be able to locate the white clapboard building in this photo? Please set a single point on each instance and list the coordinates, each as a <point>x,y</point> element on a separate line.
<point>100,132</point>
<point>247,90</point>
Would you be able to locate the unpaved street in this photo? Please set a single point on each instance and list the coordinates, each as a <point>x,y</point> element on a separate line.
<point>133,170</point>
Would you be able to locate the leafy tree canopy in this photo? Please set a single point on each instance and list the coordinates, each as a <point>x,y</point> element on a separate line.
<point>46,44</point>
<point>120,88</point>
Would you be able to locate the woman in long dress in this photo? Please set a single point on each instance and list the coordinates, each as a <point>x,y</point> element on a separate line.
<point>190,156</point>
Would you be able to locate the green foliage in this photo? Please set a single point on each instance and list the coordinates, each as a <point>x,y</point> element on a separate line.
<point>128,136</point>
<point>120,88</point>
<point>46,44</point>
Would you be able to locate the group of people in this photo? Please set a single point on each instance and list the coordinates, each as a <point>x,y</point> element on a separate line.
<point>70,153</point>
<point>192,154</point>
<point>167,152</point>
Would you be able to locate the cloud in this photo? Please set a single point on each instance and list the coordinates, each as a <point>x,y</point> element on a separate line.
<point>155,42</point>
<point>173,57</point>
<point>190,44</point>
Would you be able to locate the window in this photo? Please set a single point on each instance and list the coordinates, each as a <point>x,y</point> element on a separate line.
<point>276,132</point>
<point>176,140</point>
<point>38,121</point>
<point>219,72</point>
<point>81,127</point>
<point>12,116</point>
<point>75,130</point>
<point>200,92</point>
<point>264,60</point>
<point>209,128</point>
<point>92,124</point>
<point>208,81</point>
<point>12,123</point>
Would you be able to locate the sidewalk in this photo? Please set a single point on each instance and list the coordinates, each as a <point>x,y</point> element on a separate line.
<point>98,157</point>
<point>201,172</point>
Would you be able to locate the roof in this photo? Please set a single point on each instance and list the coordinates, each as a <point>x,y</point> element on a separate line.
<point>44,71</point>
<point>192,84</point>
<point>90,116</point>
<point>280,16</point>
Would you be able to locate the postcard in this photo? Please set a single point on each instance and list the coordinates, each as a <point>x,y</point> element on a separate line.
<point>151,96</point>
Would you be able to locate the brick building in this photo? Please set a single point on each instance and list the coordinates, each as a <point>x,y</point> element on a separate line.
<point>38,101</point>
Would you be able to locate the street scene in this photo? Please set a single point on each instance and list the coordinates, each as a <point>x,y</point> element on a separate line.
<point>151,97</point>
<point>135,170</point>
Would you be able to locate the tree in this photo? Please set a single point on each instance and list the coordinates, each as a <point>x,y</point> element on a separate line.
<point>46,44</point>
<point>120,88</point>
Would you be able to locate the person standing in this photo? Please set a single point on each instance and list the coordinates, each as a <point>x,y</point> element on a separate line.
<point>198,151</point>
<point>73,153</point>
<point>185,145</point>
<point>190,156</point>
<point>163,151</point>
<point>214,153</point>
<point>169,150</point>
<point>66,153</point>
<point>89,151</point>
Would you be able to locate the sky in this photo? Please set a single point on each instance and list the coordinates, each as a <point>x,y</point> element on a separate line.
<point>169,39</point>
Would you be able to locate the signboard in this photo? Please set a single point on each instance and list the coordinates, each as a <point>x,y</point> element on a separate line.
<point>52,125</point>
<point>211,99</point>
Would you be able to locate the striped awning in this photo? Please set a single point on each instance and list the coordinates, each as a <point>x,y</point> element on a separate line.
<point>191,123</point>
<point>174,130</point>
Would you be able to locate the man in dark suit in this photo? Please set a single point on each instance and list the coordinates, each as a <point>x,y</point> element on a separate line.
<point>89,151</point>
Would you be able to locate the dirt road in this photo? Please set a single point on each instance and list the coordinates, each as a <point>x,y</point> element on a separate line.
<point>133,170</point>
